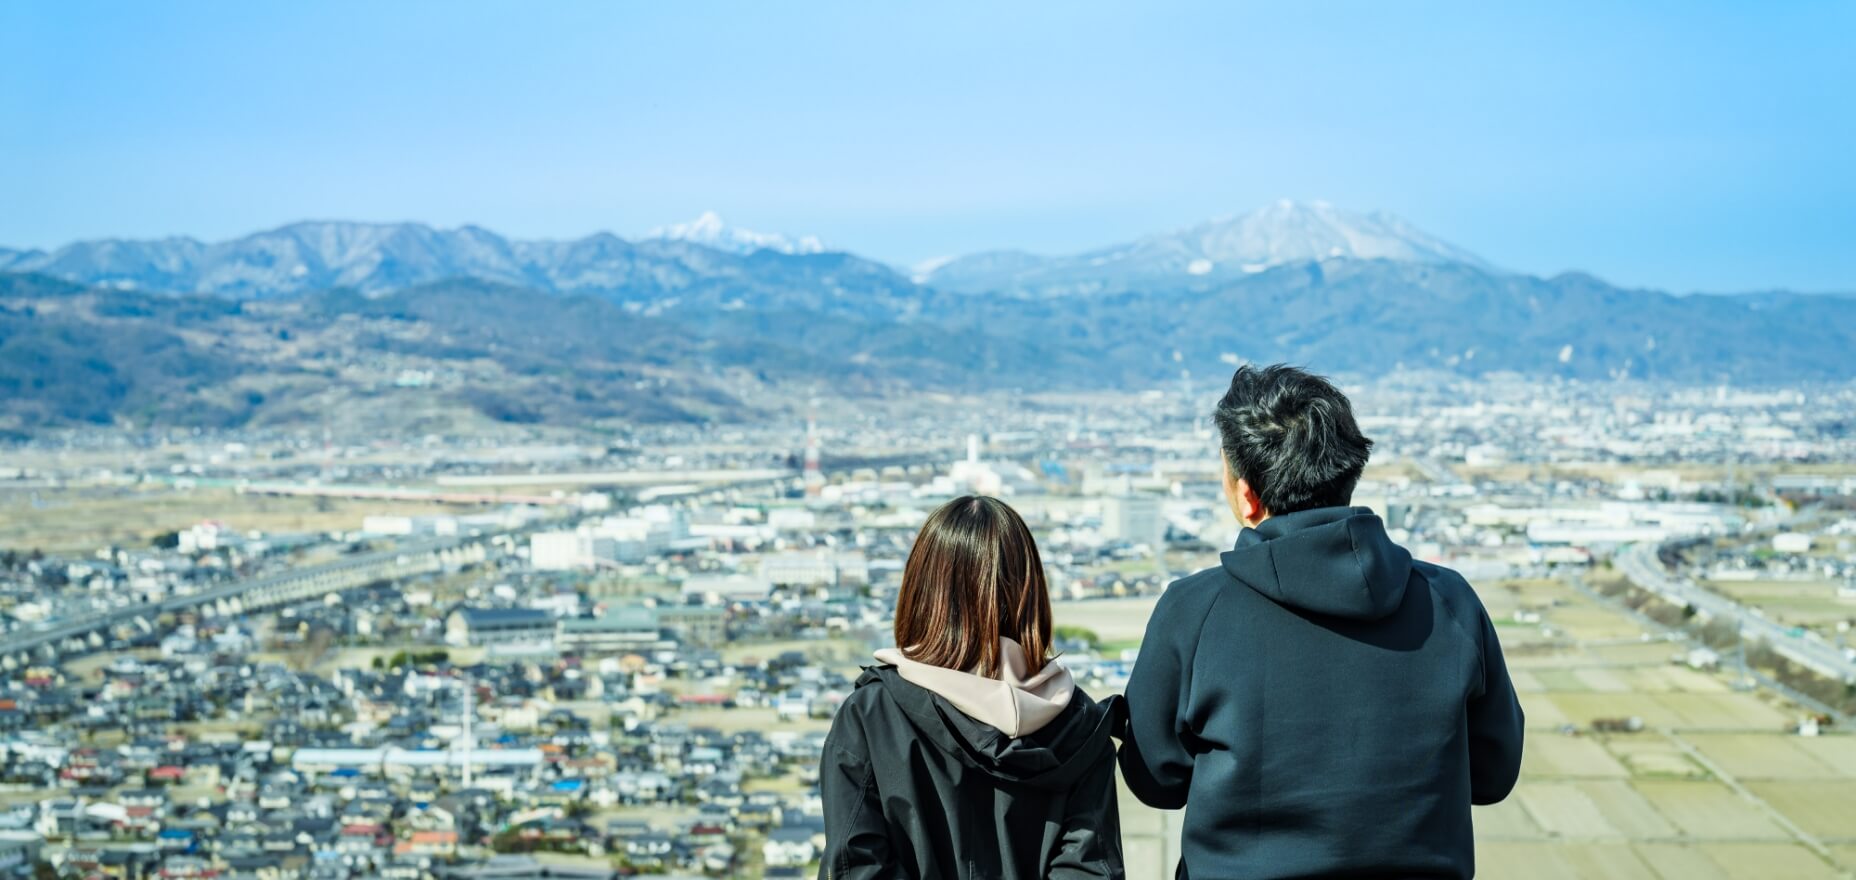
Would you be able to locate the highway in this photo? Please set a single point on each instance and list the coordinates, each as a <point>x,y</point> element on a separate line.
<point>27,639</point>
<point>1640,563</point>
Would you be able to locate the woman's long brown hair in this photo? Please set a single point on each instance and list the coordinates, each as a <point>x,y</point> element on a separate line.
<point>973,576</point>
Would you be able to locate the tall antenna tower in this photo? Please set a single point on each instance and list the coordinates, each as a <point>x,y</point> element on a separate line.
<point>815,479</point>
<point>469,706</point>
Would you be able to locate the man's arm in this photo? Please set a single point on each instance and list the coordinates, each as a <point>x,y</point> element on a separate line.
<point>1495,725</point>
<point>1154,760</point>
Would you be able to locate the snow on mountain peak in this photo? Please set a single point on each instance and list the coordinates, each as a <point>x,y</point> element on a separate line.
<point>1289,231</point>
<point>710,230</point>
<point>1279,233</point>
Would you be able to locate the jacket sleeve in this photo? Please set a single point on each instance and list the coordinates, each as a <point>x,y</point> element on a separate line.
<point>1155,762</point>
<point>856,837</point>
<point>1090,846</point>
<point>1495,726</point>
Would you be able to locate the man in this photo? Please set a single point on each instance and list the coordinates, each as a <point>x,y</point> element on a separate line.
<point>1320,703</point>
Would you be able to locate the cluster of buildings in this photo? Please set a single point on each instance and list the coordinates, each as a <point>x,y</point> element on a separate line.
<point>636,675</point>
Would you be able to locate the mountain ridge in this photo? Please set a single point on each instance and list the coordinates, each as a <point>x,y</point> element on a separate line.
<point>1201,254</point>
<point>378,257</point>
<point>710,230</point>
<point>287,323</point>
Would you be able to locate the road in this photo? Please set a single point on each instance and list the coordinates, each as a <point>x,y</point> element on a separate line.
<point>23,640</point>
<point>1639,563</point>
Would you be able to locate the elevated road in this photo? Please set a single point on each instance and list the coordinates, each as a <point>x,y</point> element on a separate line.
<point>1639,562</point>
<point>264,591</point>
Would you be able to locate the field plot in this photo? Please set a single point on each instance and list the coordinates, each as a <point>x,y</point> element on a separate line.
<point>1824,808</point>
<point>1753,756</point>
<point>1727,711</point>
<point>1507,820</point>
<point>84,517</point>
<point>1768,862</point>
<point>1681,861</point>
<point>1604,681</point>
<point>1654,757</point>
<point>1635,653</point>
<point>1625,810</point>
<point>1561,680</point>
<point>1562,809</point>
<point>1542,714</point>
<point>1708,810</point>
<point>1562,861</point>
<point>1670,678</point>
<point>1553,754</point>
<point>1810,603</point>
<point>1837,752</point>
<point>1592,623</point>
<point>1582,709</point>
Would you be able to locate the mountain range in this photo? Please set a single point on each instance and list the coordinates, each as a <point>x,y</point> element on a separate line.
<point>1203,256</point>
<point>400,323</point>
<point>378,257</point>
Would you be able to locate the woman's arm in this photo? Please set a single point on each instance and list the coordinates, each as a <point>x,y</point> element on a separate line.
<point>856,836</point>
<point>1090,847</point>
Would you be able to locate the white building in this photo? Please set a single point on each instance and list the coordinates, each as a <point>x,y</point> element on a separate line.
<point>560,551</point>
<point>817,568</point>
<point>642,534</point>
<point>409,525</point>
<point>728,587</point>
<point>1791,542</point>
<point>799,569</point>
<point>1136,519</point>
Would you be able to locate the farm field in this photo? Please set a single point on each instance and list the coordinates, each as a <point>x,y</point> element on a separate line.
<point>1813,604</point>
<point>79,518</point>
<point>1714,786</point>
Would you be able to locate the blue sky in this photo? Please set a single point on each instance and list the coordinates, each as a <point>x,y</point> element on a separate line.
<point>1685,146</point>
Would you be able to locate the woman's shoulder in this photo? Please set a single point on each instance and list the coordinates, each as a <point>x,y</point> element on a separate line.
<point>859,711</point>
<point>866,696</point>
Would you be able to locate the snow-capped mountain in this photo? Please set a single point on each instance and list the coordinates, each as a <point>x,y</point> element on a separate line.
<point>710,231</point>
<point>1282,233</point>
<point>92,333</point>
<point>378,257</point>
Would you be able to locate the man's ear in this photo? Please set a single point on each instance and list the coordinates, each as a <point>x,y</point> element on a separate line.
<point>1249,504</point>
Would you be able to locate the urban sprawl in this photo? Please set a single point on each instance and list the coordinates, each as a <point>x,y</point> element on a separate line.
<point>292,654</point>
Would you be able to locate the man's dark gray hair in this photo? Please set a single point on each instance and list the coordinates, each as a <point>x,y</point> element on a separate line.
<point>1291,435</point>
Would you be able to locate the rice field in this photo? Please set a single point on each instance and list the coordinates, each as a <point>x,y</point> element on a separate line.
<point>1754,756</point>
<point>1808,603</point>
<point>1823,807</point>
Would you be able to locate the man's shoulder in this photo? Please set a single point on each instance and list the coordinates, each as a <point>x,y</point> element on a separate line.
<point>1442,579</point>
<point>1452,592</point>
<point>1194,593</point>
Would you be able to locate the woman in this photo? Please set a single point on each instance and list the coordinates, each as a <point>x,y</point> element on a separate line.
<point>968,752</point>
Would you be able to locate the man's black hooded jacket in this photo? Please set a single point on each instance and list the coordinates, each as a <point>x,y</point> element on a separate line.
<point>1322,706</point>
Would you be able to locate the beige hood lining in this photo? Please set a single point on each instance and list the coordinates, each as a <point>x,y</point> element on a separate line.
<point>1014,703</point>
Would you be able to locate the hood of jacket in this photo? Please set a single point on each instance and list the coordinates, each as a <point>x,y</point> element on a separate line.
<point>1070,735</point>
<point>1336,561</point>
<point>1019,702</point>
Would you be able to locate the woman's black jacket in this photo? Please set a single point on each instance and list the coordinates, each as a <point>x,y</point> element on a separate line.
<point>914,788</point>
